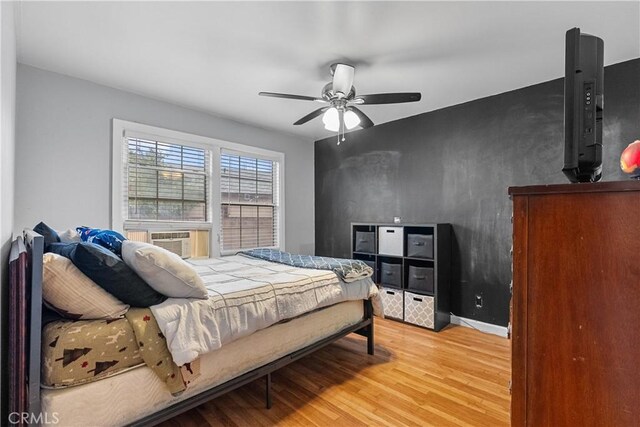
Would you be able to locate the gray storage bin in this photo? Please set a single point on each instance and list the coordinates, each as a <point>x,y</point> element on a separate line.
<point>365,242</point>
<point>371,264</point>
<point>420,245</point>
<point>421,279</point>
<point>391,274</point>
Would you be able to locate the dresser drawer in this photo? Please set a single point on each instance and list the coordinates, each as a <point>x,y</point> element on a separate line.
<point>418,309</point>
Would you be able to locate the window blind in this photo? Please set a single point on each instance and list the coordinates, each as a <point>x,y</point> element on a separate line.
<point>249,202</point>
<point>166,181</point>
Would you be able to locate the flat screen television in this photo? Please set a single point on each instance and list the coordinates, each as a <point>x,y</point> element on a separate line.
<point>583,106</point>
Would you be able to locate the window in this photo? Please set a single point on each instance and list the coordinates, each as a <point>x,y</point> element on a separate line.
<point>167,182</point>
<point>194,195</point>
<point>249,202</point>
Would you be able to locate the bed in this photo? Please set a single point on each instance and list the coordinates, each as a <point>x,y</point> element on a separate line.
<point>138,393</point>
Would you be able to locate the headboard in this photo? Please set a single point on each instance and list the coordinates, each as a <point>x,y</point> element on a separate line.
<point>25,323</point>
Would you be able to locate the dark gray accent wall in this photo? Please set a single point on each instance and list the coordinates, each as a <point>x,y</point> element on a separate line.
<point>454,165</point>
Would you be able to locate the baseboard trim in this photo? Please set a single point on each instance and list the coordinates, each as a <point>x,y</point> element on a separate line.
<point>481,326</point>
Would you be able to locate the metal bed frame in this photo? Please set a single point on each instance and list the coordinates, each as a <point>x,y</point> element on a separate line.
<point>34,244</point>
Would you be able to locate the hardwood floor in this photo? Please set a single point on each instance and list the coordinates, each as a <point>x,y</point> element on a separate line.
<point>457,377</point>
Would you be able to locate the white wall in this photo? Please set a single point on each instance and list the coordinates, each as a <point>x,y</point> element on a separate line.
<point>7,157</point>
<point>63,132</point>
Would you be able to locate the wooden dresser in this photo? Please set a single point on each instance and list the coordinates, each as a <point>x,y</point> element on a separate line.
<point>576,305</point>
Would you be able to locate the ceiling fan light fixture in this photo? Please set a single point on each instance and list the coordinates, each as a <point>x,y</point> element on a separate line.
<point>342,113</point>
<point>331,119</point>
<point>351,119</point>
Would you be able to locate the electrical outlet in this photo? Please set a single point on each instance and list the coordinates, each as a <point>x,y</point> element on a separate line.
<point>478,301</point>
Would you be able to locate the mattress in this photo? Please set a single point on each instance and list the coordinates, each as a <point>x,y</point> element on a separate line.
<point>247,295</point>
<point>138,392</point>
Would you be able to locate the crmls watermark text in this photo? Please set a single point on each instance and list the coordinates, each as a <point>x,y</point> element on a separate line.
<point>29,418</point>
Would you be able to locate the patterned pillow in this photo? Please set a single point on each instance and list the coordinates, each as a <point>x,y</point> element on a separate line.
<point>73,295</point>
<point>109,239</point>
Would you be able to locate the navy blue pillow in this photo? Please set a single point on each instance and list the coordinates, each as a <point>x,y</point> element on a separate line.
<point>110,273</point>
<point>50,235</point>
<point>61,248</point>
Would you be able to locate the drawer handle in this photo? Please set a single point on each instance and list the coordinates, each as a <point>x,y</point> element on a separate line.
<point>417,299</point>
<point>391,293</point>
<point>420,277</point>
<point>388,273</point>
<point>391,231</point>
<point>418,243</point>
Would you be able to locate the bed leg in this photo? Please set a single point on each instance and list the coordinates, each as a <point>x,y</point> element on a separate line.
<point>370,339</point>
<point>368,309</point>
<point>268,390</point>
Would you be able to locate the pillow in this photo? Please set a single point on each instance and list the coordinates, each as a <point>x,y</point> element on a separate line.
<point>72,294</point>
<point>61,248</point>
<point>69,236</point>
<point>50,235</point>
<point>164,271</point>
<point>109,239</point>
<point>110,273</point>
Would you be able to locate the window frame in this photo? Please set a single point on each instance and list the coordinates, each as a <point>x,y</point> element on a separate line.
<point>123,128</point>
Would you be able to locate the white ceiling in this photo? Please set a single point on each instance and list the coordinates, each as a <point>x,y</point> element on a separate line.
<point>217,56</point>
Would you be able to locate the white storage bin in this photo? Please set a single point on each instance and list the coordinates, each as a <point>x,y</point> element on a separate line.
<point>392,302</point>
<point>418,309</point>
<point>390,241</point>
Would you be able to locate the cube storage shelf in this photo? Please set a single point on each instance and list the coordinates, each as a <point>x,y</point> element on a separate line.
<point>412,266</point>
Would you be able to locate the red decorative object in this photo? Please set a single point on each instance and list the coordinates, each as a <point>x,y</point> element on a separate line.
<point>146,318</point>
<point>630,159</point>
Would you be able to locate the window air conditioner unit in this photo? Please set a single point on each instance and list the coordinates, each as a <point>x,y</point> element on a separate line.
<point>178,242</point>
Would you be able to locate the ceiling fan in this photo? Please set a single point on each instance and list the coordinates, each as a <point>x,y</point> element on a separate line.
<point>340,97</point>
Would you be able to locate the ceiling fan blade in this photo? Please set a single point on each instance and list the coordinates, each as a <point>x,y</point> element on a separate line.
<point>288,96</point>
<point>365,121</point>
<point>388,98</point>
<point>311,115</point>
<point>343,79</point>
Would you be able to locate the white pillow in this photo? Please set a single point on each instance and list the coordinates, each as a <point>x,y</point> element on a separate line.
<point>72,294</point>
<point>69,236</point>
<point>164,271</point>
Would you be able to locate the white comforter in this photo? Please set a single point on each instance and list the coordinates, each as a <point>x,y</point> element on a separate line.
<point>246,295</point>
